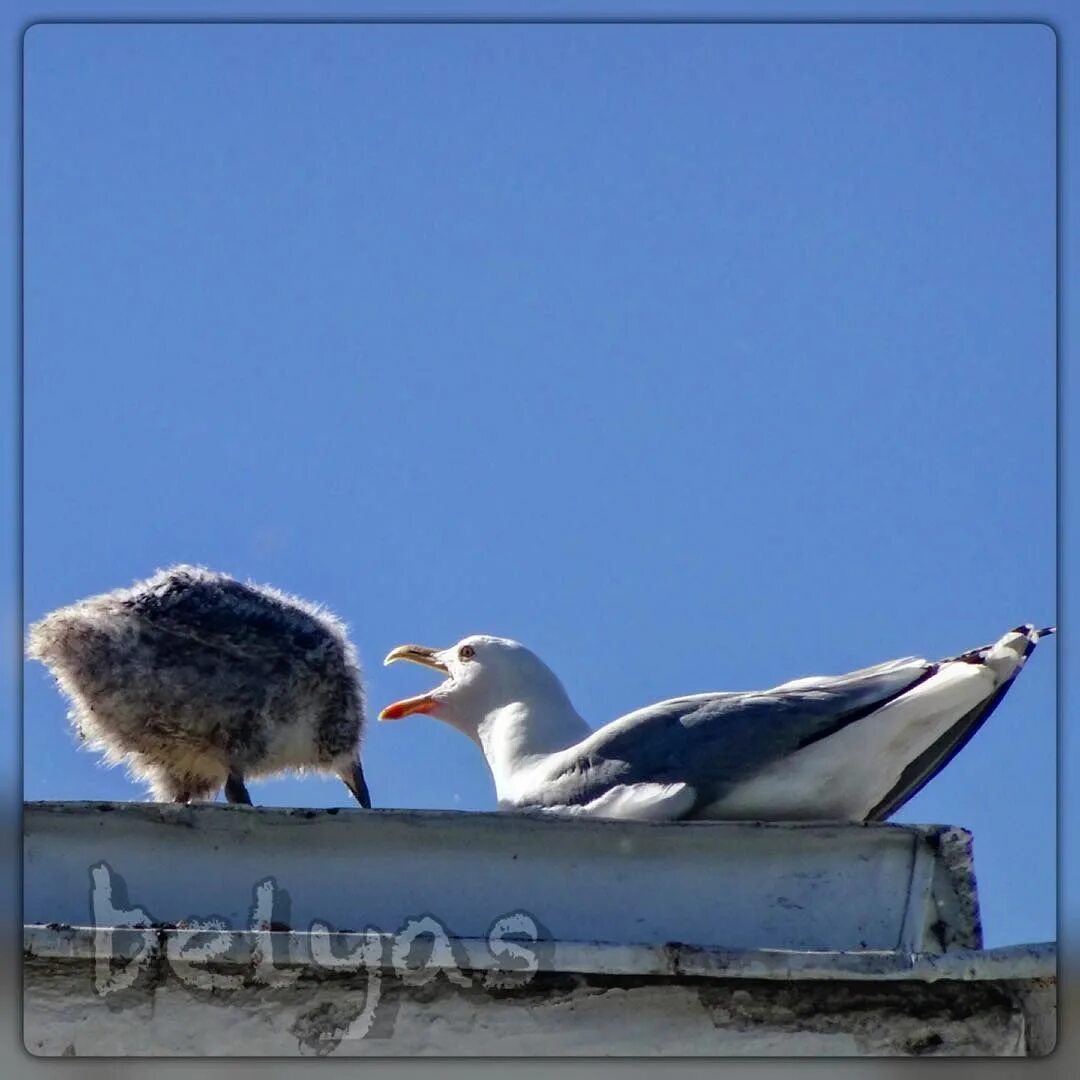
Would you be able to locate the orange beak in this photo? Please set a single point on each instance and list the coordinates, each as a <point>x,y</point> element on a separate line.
<point>422,703</point>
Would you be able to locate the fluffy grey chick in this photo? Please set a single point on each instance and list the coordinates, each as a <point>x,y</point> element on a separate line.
<point>195,680</point>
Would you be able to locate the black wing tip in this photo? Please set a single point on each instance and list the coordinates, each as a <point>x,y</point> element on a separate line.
<point>934,759</point>
<point>1033,636</point>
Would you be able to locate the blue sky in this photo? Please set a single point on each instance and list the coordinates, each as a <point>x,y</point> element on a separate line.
<point>695,358</point>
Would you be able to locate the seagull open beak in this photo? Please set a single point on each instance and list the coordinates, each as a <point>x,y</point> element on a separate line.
<point>422,703</point>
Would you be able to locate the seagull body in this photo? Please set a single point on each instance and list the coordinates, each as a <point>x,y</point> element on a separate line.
<point>195,680</point>
<point>849,747</point>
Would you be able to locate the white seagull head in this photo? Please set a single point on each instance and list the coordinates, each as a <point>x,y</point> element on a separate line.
<point>486,676</point>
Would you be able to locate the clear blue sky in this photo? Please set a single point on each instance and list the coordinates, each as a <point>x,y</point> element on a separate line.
<point>695,358</point>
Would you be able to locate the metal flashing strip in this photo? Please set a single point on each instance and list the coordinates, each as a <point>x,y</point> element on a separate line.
<point>293,949</point>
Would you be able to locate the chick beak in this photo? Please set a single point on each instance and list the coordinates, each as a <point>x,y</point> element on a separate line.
<point>422,703</point>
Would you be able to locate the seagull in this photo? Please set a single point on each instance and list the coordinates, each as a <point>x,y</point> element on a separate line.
<point>196,681</point>
<point>852,747</point>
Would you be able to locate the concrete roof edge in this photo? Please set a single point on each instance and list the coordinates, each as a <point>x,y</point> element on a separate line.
<point>306,949</point>
<point>224,814</point>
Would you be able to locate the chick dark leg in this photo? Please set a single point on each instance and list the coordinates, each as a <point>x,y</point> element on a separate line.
<point>353,778</point>
<point>235,792</point>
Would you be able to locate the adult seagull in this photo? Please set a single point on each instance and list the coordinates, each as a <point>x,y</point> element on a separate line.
<point>848,747</point>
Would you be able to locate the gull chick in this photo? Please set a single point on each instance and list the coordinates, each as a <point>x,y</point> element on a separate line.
<point>850,747</point>
<point>195,681</point>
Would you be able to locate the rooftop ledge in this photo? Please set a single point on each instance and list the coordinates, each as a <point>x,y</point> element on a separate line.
<point>249,931</point>
<point>686,893</point>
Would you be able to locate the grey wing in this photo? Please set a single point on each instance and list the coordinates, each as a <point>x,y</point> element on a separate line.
<point>715,741</point>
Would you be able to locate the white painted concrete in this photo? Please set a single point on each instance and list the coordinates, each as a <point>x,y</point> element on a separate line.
<point>617,938</point>
<point>714,885</point>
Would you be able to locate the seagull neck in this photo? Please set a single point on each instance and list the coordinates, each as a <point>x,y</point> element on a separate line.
<point>519,734</point>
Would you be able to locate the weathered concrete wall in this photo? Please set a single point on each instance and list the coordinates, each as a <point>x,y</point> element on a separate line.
<point>555,1014</point>
<point>234,931</point>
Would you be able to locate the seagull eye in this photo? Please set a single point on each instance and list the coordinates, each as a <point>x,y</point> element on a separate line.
<point>466,652</point>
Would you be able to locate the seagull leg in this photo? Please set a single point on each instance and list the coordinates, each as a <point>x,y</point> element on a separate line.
<point>235,792</point>
<point>353,778</point>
